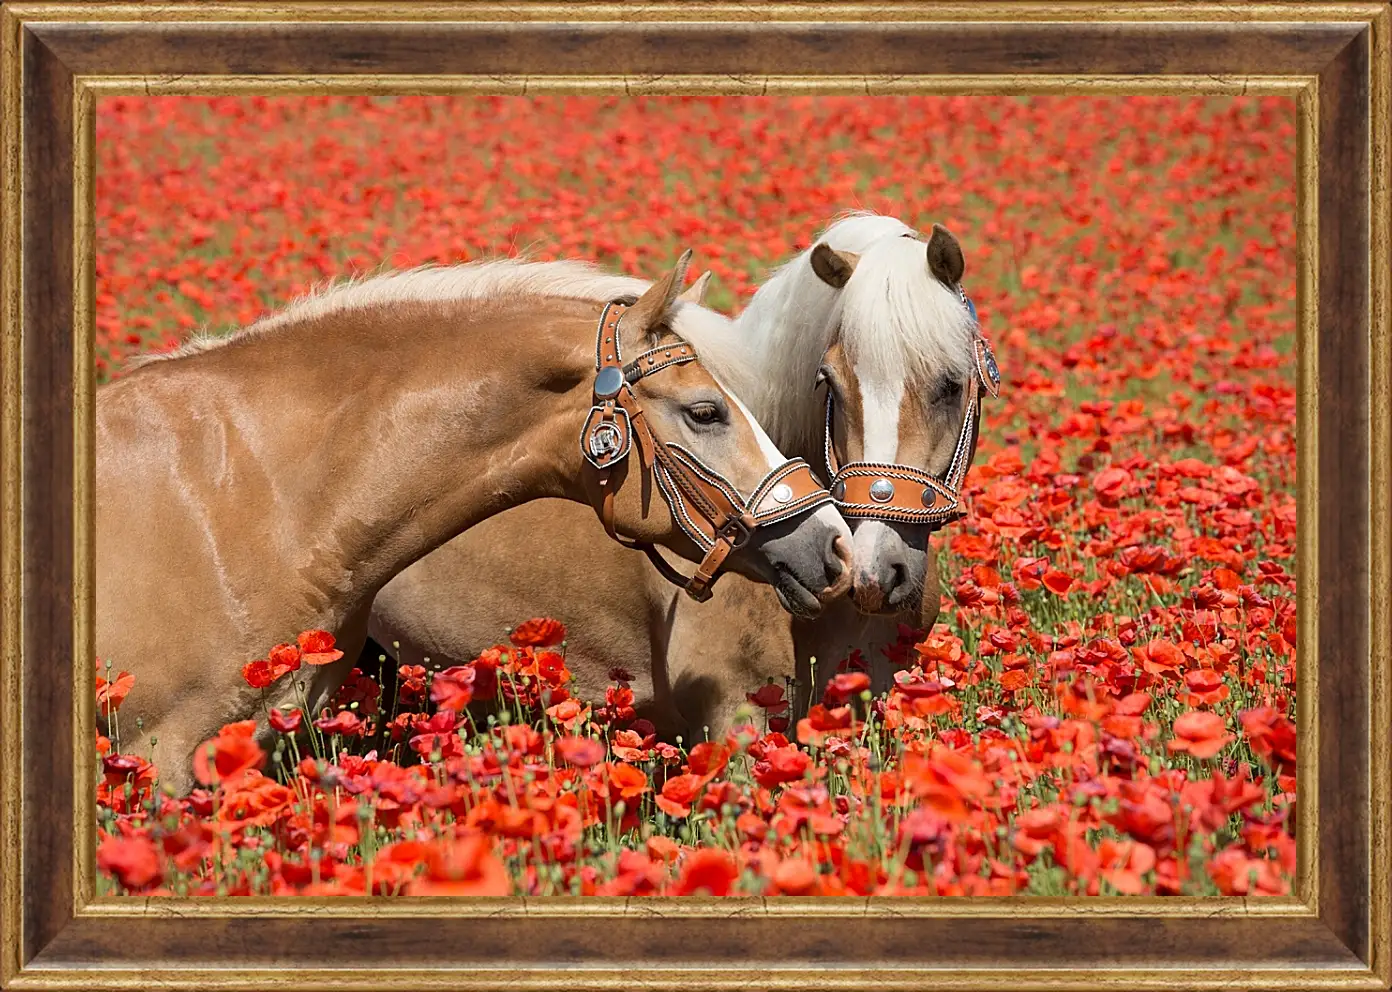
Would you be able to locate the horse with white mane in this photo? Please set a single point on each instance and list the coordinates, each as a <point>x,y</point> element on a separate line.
<point>872,321</point>
<point>270,482</point>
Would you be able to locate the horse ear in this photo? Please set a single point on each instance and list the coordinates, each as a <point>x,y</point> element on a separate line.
<point>945,259</point>
<point>696,292</point>
<point>833,267</point>
<point>646,316</point>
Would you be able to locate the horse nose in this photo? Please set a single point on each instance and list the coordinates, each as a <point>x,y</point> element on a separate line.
<point>884,583</point>
<point>866,592</point>
<point>838,558</point>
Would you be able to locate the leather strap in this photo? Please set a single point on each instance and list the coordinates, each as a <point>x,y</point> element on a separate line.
<point>707,506</point>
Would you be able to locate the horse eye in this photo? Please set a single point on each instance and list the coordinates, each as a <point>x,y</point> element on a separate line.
<point>822,376</point>
<point>704,414</point>
<point>949,390</point>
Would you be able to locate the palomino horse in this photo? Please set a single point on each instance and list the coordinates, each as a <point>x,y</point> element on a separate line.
<point>232,511</point>
<point>886,346</point>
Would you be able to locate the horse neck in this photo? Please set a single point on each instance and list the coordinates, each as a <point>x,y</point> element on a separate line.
<point>442,416</point>
<point>788,324</point>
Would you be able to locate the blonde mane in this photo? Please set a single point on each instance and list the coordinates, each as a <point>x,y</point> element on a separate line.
<point>426,284</point>
<point>724,351</point>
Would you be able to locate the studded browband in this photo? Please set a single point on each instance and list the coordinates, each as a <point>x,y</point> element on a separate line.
<point>706,505</point>
<point>903,493</point>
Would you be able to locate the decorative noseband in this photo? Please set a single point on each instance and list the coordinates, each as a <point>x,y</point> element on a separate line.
<point>706,505</point>
<point>903,493</point>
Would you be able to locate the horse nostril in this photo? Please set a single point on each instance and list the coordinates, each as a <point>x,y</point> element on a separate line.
<point>893,579</point>
<point>839,558</point>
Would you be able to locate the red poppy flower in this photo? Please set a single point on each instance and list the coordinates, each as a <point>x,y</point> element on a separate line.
<point>110,695</point>
<point>258,674</point>
<point>453,689</point>
<point>229,755</point>
<point>629,782</point>
<point>795,877</point>
<point>783,764</point>
<point>662,849</point>
<point>769,698</point>
<point>317,648</point>
<point>540,632</point>
<point>1272,736</point>
<point>343,723</point>
<point>708,759</point>
<point>134,861</point>
<point>1057,582</point>
<point>708,871</point>
<point>946,781</point>
<point>464,867</point>
<point>1111,484</point>
<point>1036,829</point>
<point>255,800</point>
<point>285,722</point>
<point>1206,687</point>
<point>437,733</point>
<point>1200,734</point>
<point>410,683</point>
<point>285,657</point>
<point>679,793</point>
<point>1237,874</point>
<point>1124,862</point>
<point>1161,657</point>
<point>1016,679</point>
<point>822,722</point>
<point>583,752</point>
<point>849,685</point>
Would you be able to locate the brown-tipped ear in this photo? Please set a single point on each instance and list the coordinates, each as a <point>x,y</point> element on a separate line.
<point>696,292</point>
<point>644,317</point>
<point>945,259</point>
<point>833,267</point>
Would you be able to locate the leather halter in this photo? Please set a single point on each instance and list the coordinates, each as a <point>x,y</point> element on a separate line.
<point>706,505</point>
<point>902,493</point>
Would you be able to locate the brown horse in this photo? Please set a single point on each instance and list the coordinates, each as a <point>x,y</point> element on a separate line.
<point>891,339</point>
<point>232,510</point>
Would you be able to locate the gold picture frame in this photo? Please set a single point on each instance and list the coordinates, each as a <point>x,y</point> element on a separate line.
<point>1334,932</point>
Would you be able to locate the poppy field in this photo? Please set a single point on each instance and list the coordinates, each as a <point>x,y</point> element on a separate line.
<point>1107,704</point>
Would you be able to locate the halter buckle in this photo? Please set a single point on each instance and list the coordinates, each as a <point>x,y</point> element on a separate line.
<point>734,532</point>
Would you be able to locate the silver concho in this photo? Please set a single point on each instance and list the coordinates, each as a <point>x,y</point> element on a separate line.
<point>608,382</point>
<point>782,493</point>
<point>882,490</point>
<point>605,439</point>
<point>838,491</point>
<point>929,497</point>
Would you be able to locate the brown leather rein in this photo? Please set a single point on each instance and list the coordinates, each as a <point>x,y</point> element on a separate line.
<point>905,494</point>
<point>706,505</point>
